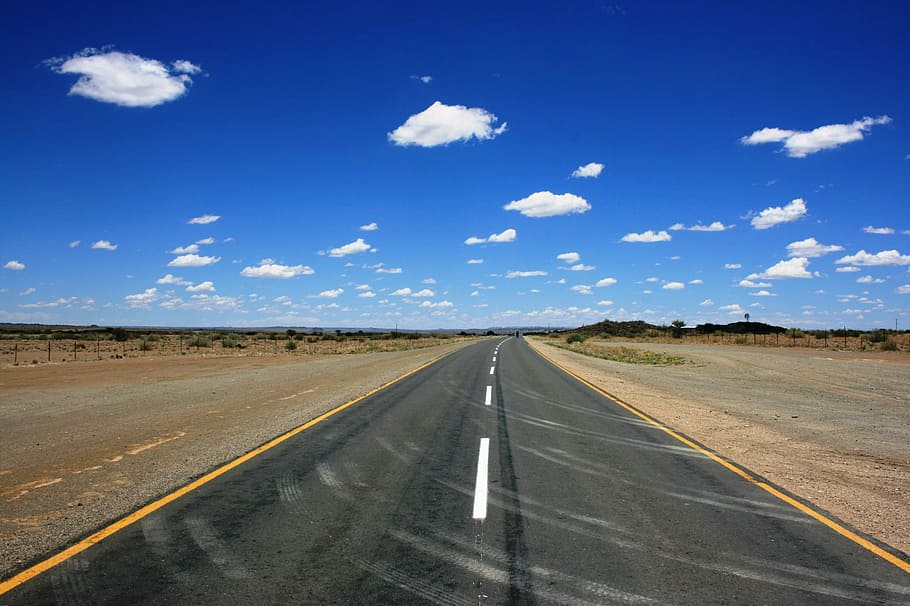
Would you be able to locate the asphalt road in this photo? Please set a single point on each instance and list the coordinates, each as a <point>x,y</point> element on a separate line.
<point>392,501</point>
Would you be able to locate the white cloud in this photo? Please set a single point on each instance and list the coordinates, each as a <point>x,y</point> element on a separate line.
<point>715,226</point>
<point>426,292</point>
<point>810,247</point>
<point>847,269</point>
<point>548,204</point>
<point>605,303</point>
<point>751,284</point>
<point>269,269</point>
<point>436,305</point>
<point>903,290</point>
<point>799,144</point>
<point>172,279</point>
<point>203,220</point>
<point>206,286</point>
<point>885,257</point>
<point>28,291</point>
<point>389,270</point>
<point>762,293</point>
<point>507,235</point>
<point>74,243</point>
<point>707,303</point>
<point>581,267</point>
<point>369,227</point>
<point>367,295</point>
<point>103,245</point>
<point>733,308</point>
<point>475,261</point>
<point>775,215</point>
<point>14,265</point>
<point>591,169</point>
<point>732,265</point>
<point>882,231</point>
<point>869,280</point>
<point>582,289</point>
<point>606,282</point>
<point>185,250</point>
<point>696,281</point>
<point>441,124</point>
<point>648,236</point>
<point>424,79</point>
<point>206,241</point>
<point>792,268</point>
<point>428,281</point>
<point>142,299</point>
<point>569,257</point>
<point>330,294</point>
<point>673,286</point>
<point>124,78</point>
<point>525,274</point>
<point>352,248</point>
<point>192,260</point>
<point>402,292</point>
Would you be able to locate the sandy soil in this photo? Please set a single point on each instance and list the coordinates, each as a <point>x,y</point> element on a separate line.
<point>831,427</point>
<point>84,443</point>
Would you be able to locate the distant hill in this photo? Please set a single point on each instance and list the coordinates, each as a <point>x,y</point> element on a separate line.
<point>639,328</point>
<point>740,328</point>
<point>636,328</point>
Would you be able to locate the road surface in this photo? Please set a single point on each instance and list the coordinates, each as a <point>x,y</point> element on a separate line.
<point>489,477</point>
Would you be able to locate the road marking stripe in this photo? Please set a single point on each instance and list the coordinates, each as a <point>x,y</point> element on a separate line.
<point>480,486</point>
<point>803,507</point>
<point>492,369</point>
<point>154,506</point>
<point>489,397</point>
<point>494,358</point>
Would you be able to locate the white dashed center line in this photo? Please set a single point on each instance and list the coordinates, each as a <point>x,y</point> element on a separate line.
<point>480,487</point>
<point>492,369</point>
<point>489,396</point>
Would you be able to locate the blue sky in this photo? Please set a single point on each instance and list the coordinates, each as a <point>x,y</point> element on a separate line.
<point>447,166</point>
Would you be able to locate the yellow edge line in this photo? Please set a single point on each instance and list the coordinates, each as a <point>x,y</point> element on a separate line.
<point>137,515</point>
<point>838,528</point>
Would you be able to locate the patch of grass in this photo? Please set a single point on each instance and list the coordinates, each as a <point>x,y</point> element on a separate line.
<point>627,355</point>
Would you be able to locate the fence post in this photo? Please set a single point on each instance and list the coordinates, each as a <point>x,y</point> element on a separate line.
<point>16,353</point>
<point>74,350</point>
<point>48,350</point>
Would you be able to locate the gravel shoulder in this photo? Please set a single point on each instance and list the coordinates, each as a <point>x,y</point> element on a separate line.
<point>831,427</point>
<point>82,444</point>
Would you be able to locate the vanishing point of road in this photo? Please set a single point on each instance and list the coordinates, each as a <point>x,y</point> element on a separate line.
<point>487,477</point>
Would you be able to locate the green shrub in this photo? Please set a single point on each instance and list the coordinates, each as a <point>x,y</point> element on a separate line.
<point>576,338</point>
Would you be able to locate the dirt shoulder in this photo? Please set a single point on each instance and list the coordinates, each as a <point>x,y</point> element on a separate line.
<point>830,427</point>
<point>82,444</point>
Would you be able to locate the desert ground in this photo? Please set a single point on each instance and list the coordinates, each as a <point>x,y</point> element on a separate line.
<point>86,442</point>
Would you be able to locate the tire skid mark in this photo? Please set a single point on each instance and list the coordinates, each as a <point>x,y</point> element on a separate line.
<point>412,584</point>
<point>290,493</point>
<point>329,479</point>
<point>395,452</point>
<point>218,552</point>
<point>69,583</point>
<point>158,441</point>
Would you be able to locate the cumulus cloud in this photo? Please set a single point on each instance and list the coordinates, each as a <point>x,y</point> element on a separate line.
<point>582,289</point>
<point>589,170</point>
<point>369,227</point>
<point>673,286</point>
<point>847,269</point>
<point>124,78</point>
<point>74,243</point>
<point>715,226</point>
<point>206,241</point>
<point>352,248</point>
<point>442,124</point>
<point>206,286</point>
<point>548,204</point>
<point>14,265</point>
<point>185,250</point>
<point>267,268</point>
<point>775,215</point>
<point>103,245</point>
<point>367,295</point>
<point>172,279</point>
<point>707,303</point>
<point>475,261</point>
<point>402,292</point>
<point>203,220</point>
<point>507,235</point>
<point>426,292</point>
<point>143,299</point>
<point>437,305</point>
<point>193,260</point>
<point>810,247</point>
<point>751,284</point>
<point>569,257</point>
<point>389,270</point>
<point>869,280</point>
<point>792,268</point>
<point>903,290</point>
<point>799,144</point>
<point>330,294</point>
<point>882,231</point>
<point>733,265</point>
<point>885,257</point>
<point>581,267</point>
<point>606,282</point>
<point>648,236</point>
<point>525,274</point>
